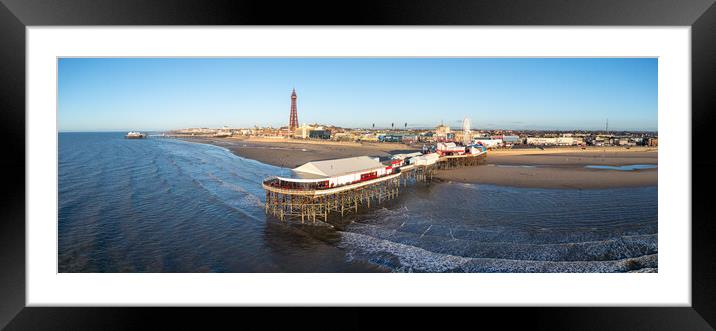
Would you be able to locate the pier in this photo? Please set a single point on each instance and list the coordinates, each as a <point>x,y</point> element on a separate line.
<point>313,199</point>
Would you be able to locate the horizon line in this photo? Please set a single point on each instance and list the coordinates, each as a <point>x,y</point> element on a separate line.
<point>365,128</point>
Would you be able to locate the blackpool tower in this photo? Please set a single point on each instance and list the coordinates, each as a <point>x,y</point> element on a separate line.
<point>293,120</point>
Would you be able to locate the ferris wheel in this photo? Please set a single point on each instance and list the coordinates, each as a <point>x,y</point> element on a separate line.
<point>466,137</point>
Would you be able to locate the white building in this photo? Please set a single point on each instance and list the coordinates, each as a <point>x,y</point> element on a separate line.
<point>489,142</point>
<point>556,141</point>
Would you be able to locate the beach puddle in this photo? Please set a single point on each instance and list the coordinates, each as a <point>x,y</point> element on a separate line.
<point>630,167</point>
<point>514,166</point>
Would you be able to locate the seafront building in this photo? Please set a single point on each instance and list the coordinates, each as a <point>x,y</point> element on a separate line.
<point>442,133</point>
<point>556,141</point>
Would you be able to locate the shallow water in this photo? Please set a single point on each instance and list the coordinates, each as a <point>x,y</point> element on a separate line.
<point>163,205</point>
<point>629,167</point>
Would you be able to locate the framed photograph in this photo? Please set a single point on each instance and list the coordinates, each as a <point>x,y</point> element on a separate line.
<point>407,156</point>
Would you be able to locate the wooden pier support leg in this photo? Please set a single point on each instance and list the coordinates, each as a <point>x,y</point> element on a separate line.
<point>313,211</point>
<point>268,199</point>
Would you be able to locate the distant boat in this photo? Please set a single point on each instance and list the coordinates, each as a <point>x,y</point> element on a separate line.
<point>135,135</point>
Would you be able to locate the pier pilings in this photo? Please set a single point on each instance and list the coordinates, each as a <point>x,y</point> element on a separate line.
<point>316,205</point>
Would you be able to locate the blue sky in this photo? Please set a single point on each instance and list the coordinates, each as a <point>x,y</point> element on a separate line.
<point>108,94</point>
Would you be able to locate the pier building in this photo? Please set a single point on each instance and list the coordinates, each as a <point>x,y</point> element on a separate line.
<point>316,189</point>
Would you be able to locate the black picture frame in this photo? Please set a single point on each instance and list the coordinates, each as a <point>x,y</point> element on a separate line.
<point>15,15</point>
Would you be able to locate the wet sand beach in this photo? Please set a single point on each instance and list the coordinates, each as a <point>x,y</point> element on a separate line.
<point>561,168</point>
<point>570,177</point>
<point>291,154</point>
<point>536,168</point>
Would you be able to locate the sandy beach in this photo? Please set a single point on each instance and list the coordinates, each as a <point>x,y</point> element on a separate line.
<point>561,168</point>
<point>293,153</point>
<point>548,168</point>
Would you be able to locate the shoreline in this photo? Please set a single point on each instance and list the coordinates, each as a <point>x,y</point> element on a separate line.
<point>560,168</point>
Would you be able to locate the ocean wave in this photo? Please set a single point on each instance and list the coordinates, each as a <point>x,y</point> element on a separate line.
<point>443,239</point>
<point>406,258</point>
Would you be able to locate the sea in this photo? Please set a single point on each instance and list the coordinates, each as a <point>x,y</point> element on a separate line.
<point>168,205</point>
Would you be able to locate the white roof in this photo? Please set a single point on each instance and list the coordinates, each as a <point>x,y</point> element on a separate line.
<point>337,167</point>
<point>404,156</point>
<point>431,156</point>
